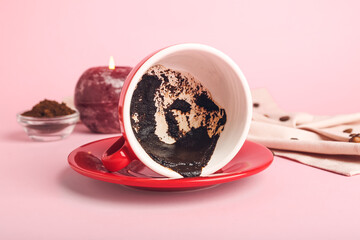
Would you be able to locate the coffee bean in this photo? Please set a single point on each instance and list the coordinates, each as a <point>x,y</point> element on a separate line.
<point>284,118</point>
<point>355,139</point>
<point>256,105</point>
<point>294,139</point>
<point>348,130</point>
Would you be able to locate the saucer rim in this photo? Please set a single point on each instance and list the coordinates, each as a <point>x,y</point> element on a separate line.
<point>170,183</point>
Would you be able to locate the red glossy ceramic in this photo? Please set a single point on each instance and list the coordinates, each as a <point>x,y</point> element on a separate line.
<point>252,158</point>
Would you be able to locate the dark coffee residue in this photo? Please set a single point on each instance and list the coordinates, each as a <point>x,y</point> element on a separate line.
<point>49,109</point>
<point>190,153</point>
<point>173,128</point>
<point>204,101</point>
<point>181,105</point>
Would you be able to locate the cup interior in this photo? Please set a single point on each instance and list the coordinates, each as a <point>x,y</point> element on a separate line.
<point>228,88</point>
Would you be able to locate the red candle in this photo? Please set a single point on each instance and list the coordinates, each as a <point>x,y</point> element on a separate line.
<point>97,95</point>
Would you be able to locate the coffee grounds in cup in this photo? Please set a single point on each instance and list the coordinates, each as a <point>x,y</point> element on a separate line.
<point>175,120</point>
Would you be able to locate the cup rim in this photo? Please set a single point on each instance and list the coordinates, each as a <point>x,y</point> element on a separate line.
<point>137,73</point>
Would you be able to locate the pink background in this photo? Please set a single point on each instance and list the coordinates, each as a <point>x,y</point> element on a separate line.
<point>307,53</point>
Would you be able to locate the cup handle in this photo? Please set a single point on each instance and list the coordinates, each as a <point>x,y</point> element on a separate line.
<point>117,156</point>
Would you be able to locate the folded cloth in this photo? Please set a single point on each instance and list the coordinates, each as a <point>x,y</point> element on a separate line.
<point>331,143</point>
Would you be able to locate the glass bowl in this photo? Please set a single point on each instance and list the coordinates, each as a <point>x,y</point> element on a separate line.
<point>48,129</point>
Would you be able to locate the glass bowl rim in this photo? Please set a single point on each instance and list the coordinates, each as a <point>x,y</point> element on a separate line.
<point>74,115</point>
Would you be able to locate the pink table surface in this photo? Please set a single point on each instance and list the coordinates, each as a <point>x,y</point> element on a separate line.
<point>306,53</point>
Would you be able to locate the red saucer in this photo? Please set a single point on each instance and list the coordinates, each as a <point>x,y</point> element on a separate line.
<point>251,159</point>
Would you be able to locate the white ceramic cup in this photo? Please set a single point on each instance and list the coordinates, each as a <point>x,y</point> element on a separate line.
<point>219,74</point>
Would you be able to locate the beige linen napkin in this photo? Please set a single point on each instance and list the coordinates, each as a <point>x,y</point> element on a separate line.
<point>325,142</point>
